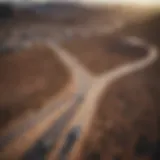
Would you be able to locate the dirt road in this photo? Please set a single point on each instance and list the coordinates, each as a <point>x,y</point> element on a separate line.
<point>88,108</point>
<point>83,82</point>
<point>82,103</point>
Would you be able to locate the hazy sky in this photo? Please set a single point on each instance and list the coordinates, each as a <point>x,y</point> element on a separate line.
<point>124,1</point>
<point>102,1</point>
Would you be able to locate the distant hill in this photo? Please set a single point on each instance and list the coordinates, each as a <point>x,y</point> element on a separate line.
<point>57,7</point>
<point>54,8</point>
<point>52,11</point>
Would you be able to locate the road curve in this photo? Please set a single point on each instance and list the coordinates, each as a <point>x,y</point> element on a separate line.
<point>88,110</point>
<point>75,66</point>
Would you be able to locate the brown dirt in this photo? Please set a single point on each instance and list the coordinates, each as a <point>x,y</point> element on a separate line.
<point>128,110</point>
<point>28,79</point>
<point>101,53</point>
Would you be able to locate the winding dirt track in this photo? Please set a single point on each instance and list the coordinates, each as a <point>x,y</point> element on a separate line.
<point>11,140</point>
<point>86,86</point>
<point>88,108</point>
<point>105,80</point>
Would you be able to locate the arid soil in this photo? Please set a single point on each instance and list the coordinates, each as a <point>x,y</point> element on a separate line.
<point>27,79</point>
<point>127,121</point>
<point>102,53</point>
<point>127,110</point>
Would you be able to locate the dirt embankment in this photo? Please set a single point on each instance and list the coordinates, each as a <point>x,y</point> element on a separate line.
<point>102,53</point>
<point>127,122</point>
<point>27,79</point>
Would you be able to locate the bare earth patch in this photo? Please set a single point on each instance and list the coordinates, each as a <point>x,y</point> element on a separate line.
<point>101,53</point>
<point>127,119</point>
<point>27,79</point>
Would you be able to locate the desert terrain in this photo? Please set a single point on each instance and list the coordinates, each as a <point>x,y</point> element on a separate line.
<point>76,52</point>
<point>128,110</point>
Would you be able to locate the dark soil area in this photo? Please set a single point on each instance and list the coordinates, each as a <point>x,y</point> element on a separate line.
<point>27,79</point>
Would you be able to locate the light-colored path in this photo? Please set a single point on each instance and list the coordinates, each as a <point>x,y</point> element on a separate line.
<point>88,108</point>
<point>85,85</point>
<point>18,146</point>
<point>81,74</point>
<point>81,83</point>
<point>99,84</point>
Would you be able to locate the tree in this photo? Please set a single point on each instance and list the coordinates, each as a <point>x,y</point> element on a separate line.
<point>6,13</point>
